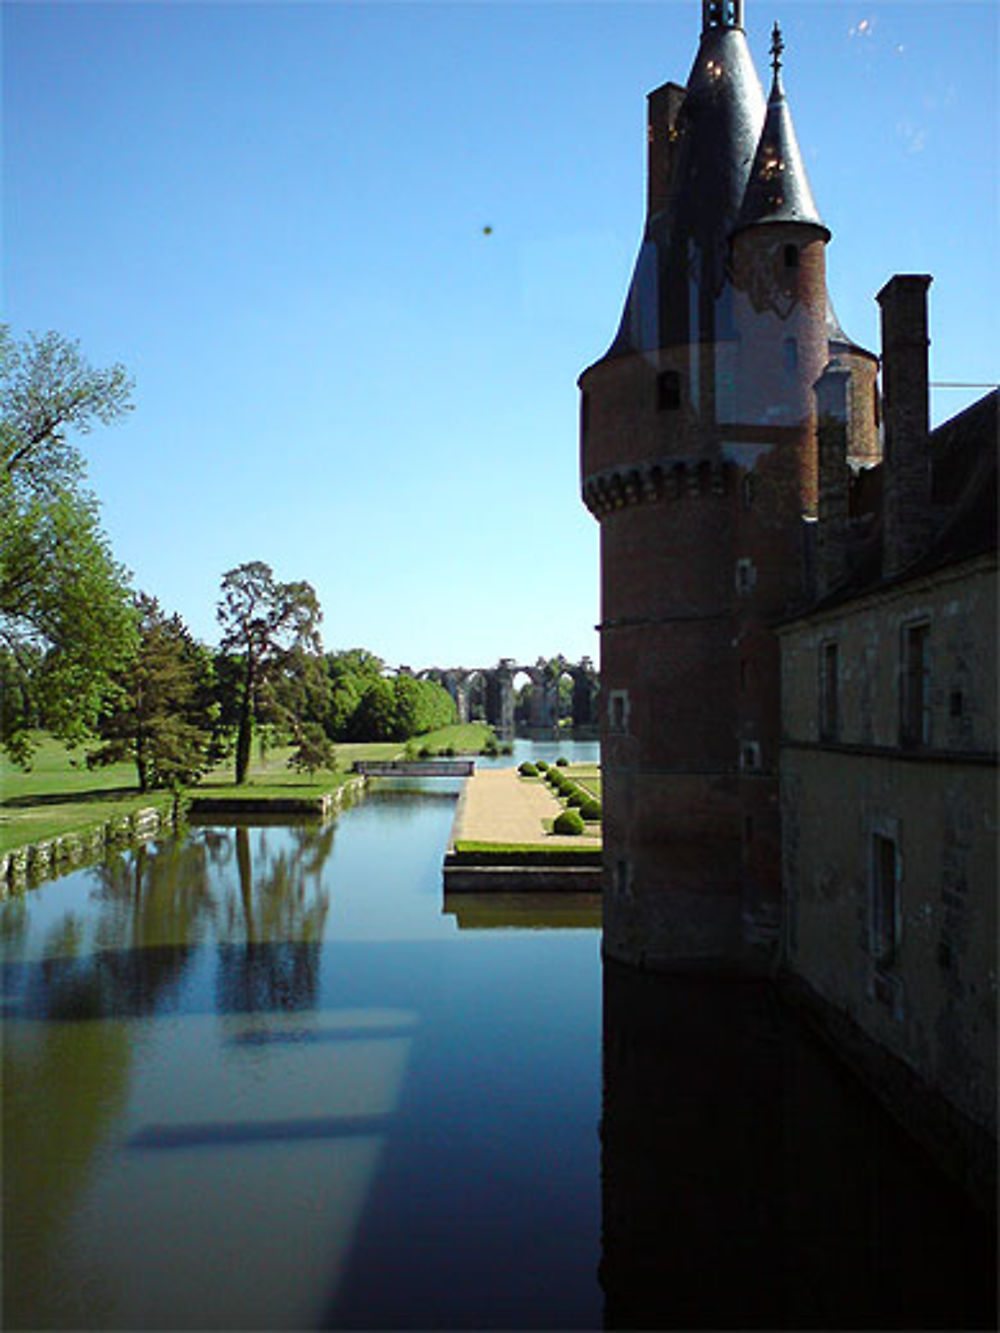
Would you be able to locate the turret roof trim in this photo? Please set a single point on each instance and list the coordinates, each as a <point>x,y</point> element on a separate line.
<point>778,188</point>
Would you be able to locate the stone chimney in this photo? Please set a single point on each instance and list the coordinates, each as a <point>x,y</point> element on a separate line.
<point>906,469</point>
<point>832,390</point>
<point>664,106</point>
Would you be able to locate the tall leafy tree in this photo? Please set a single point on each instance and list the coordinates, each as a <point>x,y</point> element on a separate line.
<point>268,624</point>
<point>163,713</point>
<point>65,607</point>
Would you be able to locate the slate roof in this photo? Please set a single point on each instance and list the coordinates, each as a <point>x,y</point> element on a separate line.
<point>778,189</point>
<point>963,454</point>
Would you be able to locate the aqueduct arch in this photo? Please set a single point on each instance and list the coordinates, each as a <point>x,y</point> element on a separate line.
<point>499,691</point>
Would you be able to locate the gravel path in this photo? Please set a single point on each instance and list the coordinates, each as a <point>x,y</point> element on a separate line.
<point>497,805</point>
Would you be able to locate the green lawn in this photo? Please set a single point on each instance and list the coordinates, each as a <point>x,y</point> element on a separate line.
<point>587,776</point>
<point>61,795</point>
<point>464,737</point>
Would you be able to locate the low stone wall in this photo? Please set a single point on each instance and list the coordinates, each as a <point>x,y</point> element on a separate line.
<point>22,866</point>
<point>209,807</point>
<point>522,879</point>
<point>56,856</point>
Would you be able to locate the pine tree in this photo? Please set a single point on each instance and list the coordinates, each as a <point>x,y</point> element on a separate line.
<point>161,712</point>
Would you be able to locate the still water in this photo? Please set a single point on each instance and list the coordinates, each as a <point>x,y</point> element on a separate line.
<point>267,1077</point>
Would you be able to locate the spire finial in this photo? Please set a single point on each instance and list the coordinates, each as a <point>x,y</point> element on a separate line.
<point>777,46</point>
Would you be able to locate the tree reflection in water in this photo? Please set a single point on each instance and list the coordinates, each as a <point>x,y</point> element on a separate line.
<point>271,931</point>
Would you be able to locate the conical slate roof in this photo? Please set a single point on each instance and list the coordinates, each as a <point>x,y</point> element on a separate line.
<point>778,189</point>
<point>681,268</point>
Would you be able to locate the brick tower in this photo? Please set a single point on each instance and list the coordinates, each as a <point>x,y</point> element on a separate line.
<point>698,458</point>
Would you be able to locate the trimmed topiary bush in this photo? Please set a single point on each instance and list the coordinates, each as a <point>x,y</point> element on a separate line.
<point>541,765</point>
<point>527,770</point>
<point>568,822</point>
<point>575,797</point>
<point>562,761</point>
<point>591,809</point>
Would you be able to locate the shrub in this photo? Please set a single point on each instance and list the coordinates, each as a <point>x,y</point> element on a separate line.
<point>424,752</point>
<point>562,761</point>
<point>591,809</point>
<point>527,770</point>
<point>447,751</point>
<point>575,796</point>
<point>506,748</point>
<point>568,822</point>
<point>541,765</point>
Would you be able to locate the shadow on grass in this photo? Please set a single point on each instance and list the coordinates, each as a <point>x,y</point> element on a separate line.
<point>72,797</point>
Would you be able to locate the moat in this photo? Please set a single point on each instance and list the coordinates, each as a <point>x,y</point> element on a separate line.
<point>266,1077</point>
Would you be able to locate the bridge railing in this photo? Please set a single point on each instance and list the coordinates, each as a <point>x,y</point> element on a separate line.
<point>415,768</point>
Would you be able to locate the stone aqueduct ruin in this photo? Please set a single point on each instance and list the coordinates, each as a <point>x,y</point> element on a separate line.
<point>499,691</point>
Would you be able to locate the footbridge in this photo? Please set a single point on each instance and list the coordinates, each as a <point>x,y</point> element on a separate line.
<point>415,768</point>
<point>493,694</point>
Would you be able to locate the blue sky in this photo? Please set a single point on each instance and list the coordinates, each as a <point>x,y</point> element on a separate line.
<point>274,215</point>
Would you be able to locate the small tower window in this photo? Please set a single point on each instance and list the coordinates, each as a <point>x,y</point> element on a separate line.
<point>668,391</point>
<point>750,757</point>
<point>584,415</point>
<point>748,487</point>
<point>790,353</point>
<point>791,256</point>
<point>829,692</point>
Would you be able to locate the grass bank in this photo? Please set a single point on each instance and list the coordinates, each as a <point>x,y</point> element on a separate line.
<point>462,737</point>
<point>60,795</point>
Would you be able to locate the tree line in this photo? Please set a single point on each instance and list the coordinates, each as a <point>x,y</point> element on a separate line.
<point>96,663</point>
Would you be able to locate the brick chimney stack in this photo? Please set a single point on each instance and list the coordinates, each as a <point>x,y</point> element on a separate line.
<point>906,471</point>
<point>663,108</point>
<point>831,391</point>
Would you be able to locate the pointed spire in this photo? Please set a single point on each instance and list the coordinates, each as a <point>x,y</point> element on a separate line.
<point>778,189</point>
<point>777,46</point>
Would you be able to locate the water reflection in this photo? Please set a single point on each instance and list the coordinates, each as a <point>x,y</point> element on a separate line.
<point>749,1183</point>
<point>126,955</point>
<point>269,953</point>
<point>524,911</point>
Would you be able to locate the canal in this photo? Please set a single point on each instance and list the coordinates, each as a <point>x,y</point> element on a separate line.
<point>267,1077</point>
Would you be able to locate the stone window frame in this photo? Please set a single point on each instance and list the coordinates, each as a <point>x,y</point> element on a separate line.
<point>619,710</point>
<point>750,760</point>
<point>885,913</point>
<point>915,683</point>
<point>745,576</point>
<point>828,683</point>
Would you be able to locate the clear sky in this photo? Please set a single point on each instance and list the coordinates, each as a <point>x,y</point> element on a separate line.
<point>276,216</point>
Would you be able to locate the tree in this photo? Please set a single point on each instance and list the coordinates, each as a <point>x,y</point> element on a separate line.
<point>163,713</point>
<point>313,750</point>
<point>268,624</point>
<point>65,609</point>
<point>350,673</point>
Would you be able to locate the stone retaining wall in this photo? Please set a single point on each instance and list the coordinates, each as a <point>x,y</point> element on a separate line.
<point>56,856</point>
